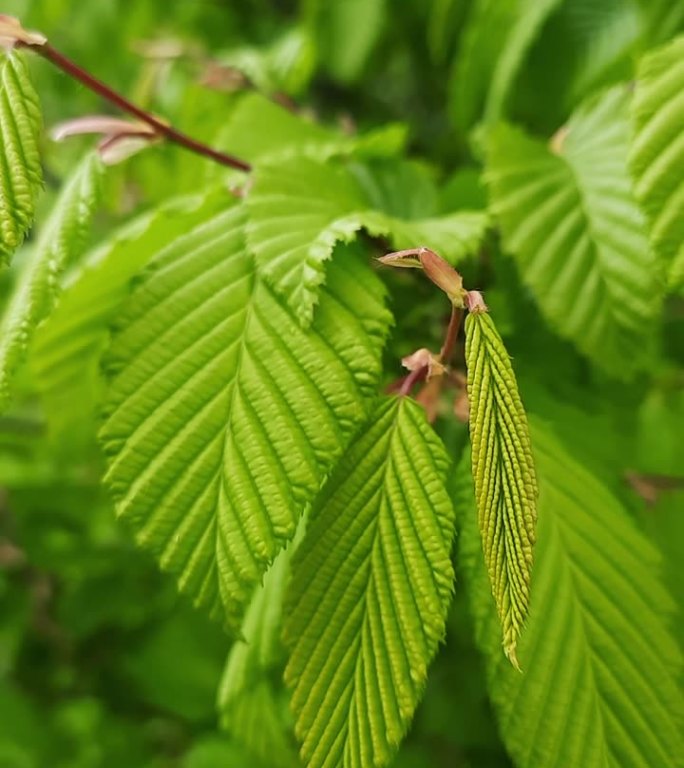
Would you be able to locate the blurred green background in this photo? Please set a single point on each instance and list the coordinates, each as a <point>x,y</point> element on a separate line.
<point>101,663</point>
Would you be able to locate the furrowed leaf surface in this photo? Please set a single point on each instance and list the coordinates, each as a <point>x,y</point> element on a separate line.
<point>67,348</point>
<point>657,149</point>
<point>223,415</point>
<point>21,174</point>
<point>568,217</point>
<point>503,473</point>
<point>601,670</point>
<point>371,586</point>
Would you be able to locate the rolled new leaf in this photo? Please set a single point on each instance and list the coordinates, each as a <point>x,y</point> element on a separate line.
<point>503,474</point>
<point>21,176</point>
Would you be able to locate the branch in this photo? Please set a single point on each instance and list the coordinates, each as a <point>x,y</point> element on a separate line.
<point>162,128</point>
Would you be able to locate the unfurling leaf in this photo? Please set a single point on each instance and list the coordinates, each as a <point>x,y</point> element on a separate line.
<point>21,176</point>
<point>503,474</point>
<point>371,586</point>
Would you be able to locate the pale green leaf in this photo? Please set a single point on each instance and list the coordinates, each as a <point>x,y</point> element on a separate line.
<point>258,651</point>
<point>66,350</point>
<point>60,241</point>
<point>568,216</point>
<point>600,682</point>
<point>503,473</point>
<point>262,723</point>
<point>298,211</point>
<point>21,174</point>
<point>223,415</point>
<point>251,706</point>
<point>370,590</point>
<point>657,150</point>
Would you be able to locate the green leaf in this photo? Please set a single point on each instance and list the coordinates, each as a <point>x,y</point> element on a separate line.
<point>405,207</point>
<point>362,632</point>
<point>600,688</point>
<point>60,241</point>
<point>298,211</point>
<point>525,27</point>
<point>484,36</point>
<point>260,131</point>
<point>503,473</point>
<point>259,650</point>
<point>21,175</point>
<point>567,215</point>
<point>657,150</point>
<point>345,32</point>
<point>453,236</point>
<point>66,350</point>
<point>285,66</point>
<point>224,415</point>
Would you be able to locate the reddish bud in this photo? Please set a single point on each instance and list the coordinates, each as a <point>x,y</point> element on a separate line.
<point>443,275</point>
<point>475,303</point>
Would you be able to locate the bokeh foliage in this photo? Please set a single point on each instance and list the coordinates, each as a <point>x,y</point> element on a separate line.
<point>101,663</point>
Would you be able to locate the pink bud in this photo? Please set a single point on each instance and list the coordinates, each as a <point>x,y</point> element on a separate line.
<point>443,275</point>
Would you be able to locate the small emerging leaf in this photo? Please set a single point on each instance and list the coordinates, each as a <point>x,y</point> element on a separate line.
<point>503,473</point>
<point>21,176</point>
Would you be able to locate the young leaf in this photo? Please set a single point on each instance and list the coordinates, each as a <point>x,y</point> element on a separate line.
<point>298,210</point>
<point>21,175</point>
<point>657,151</point>
<point>60,241</point>
<point>600,687</point>
<point>67,347</point>
<point>370,590</point>
<point>223,415</point>
<point>568,216</point>
<point>503,473</point>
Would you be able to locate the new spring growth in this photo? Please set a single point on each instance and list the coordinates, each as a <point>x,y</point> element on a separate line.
<point>440,272</point>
